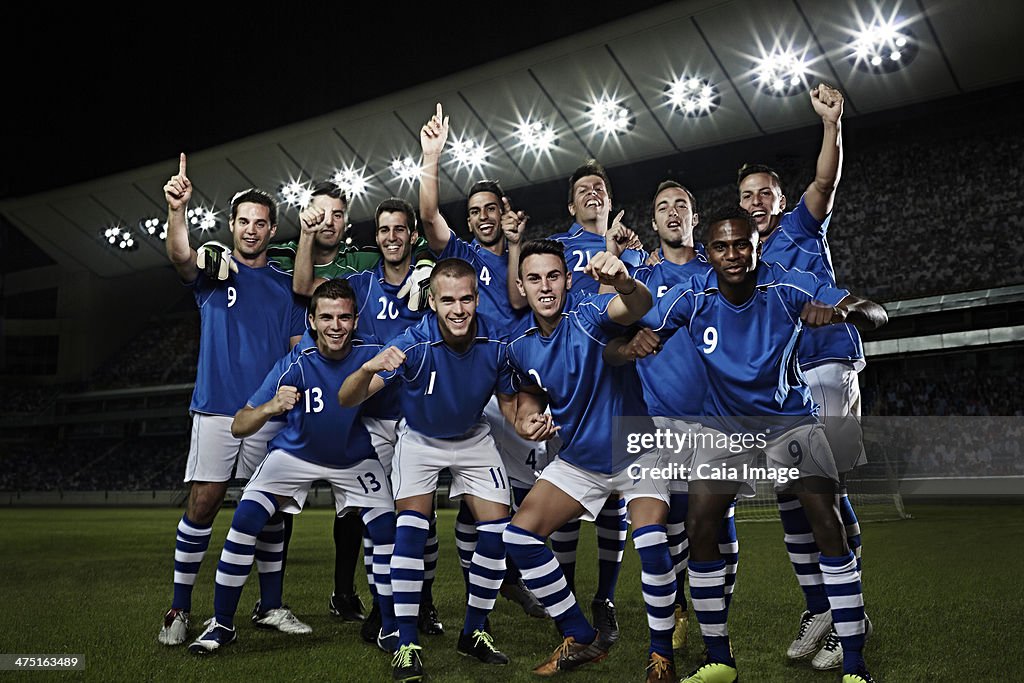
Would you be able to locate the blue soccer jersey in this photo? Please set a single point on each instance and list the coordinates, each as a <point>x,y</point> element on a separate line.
<point>800,242</point>
<point>674,379</point>
<point>492,280</point>
<point>246,323</point>
<point>382,313</point>
<point>319,430</point>
<point>585,394</point>
<point>580,246</point>
<point>749,350</point>
<point>443,393</point>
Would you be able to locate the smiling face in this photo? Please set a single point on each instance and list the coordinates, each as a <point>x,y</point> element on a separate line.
<point>334,322</point>
<point>544,282</point>
<point>590,201</point>
<point>395,237</point>
<point>674,217</point>
<point>454,300</point>
<point>332,231</point>
<point>733,248</point>
<point>484,218</point>
<point>762,198</point>
<point>251,229</point>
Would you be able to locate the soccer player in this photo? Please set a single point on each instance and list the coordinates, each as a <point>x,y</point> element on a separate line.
<point>674,380</point>
<point>321,441</point>
<point>745,318</point>
<point>830,358</point>
<point>496,230</point>
<point>449,365</point>
<point>246,323</point>
<point>559,364</point>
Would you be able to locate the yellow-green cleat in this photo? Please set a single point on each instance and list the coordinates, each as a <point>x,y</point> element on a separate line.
<point>858,678</point>
<point>713,672</point>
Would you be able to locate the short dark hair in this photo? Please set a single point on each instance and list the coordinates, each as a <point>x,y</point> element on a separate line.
<point>589,167</point>
<point>336,288</point>
<point>454,268</point>
<point>331,189</point>
<point>727,212</point>
<point>541,246</point>
<point>396,205</point>
<point>666,184</point>
<point>751,169</point>
<point>254,195</point>
<point>491,186</point>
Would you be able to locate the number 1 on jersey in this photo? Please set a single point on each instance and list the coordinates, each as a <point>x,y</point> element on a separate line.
<point>430,386</point>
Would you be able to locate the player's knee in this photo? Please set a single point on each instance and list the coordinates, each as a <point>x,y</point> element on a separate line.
<point>204,501</point>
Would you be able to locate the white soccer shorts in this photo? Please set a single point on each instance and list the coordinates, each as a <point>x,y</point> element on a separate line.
<point>683,459</point>
<point>383,435</point>
<point>523,460</point>
<point>214,455</point>
<point>835,387</point>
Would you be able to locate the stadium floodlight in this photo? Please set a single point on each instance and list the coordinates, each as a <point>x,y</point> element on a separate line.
<point>405,169</point>
<point>536,136</point>
<point>692,96</point>
<point>351,181</point>
<point>468,153</point>
<point>153,227</point>
<point>781,73</point>
<point>201,218</point>
<point>610,117</point>
<point>296,193</point>
<point>120,238</point>
<point>883,47</point>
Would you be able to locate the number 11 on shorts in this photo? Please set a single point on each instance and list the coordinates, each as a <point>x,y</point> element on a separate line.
<point>498,477</point>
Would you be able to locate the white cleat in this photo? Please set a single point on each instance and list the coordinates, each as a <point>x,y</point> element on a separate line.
<point>813,630</point>
<point>830,656</point>
<point>282,620</point>
<point>175,628</point>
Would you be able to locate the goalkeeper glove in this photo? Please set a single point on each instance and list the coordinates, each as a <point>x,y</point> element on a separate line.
<point>214,259</point>
<point>417,284</point>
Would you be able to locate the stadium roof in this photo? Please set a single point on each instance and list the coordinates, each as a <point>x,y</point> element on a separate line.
<point>961,47</point>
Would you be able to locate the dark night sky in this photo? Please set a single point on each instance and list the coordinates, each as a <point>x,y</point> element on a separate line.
<point>89,95</point>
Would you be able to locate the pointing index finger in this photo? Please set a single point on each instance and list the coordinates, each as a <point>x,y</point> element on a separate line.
<point>505,205</point>
<point>181,164</point>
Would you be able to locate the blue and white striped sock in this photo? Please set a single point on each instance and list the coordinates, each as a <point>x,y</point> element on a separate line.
<point>270,548</point>
<point>465,540</point>
<point>678,542</point>
<point>544,578</point>
<point>486,572</point>
<point>368,562</point>
<point>842,581</point>
<point>379,523</point>
<point>407,572</point>
<point>852,525</point>
<point>707,595</point>
<point>238,554</point>
<point>611,544</point>
<point>564,542</point>
<point>430,552</point>
<point>658,583</point>
<point>803,553</point>
<point>729,549</point>
<point>190,545</point>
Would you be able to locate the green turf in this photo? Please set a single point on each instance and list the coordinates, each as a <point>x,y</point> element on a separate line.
<point>943,590</point>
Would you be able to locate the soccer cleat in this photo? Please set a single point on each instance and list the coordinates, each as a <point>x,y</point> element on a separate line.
<point>517,592</point>
<point>713,672</point>
<point>214,637</point>
<point>863,677</point>
<point>480,644</point>
<point>406,665</point>
<point>347,606</point>
<point>660,669</point>
<point>371,627</point>
<point>813,629</point>
<point>429,623</point>
<point>387,643</point>
<point>680,632</point>
<point>572,655</point>
<point>830,656</point>
<point>280,619</point>
<point>605,620</point>
<point>175,628</point>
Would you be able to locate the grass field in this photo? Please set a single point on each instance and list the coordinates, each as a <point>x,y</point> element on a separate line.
<point>943,590</point>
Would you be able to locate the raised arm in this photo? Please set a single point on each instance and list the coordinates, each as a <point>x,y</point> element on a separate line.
<point>633,300</point>
<point>433,135</point>
<point>828,104</point>
<point>304,279</point>
<point>250,420</point>
<point>177,192</point>
<point>364,382</point>
<point>513,223</point>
